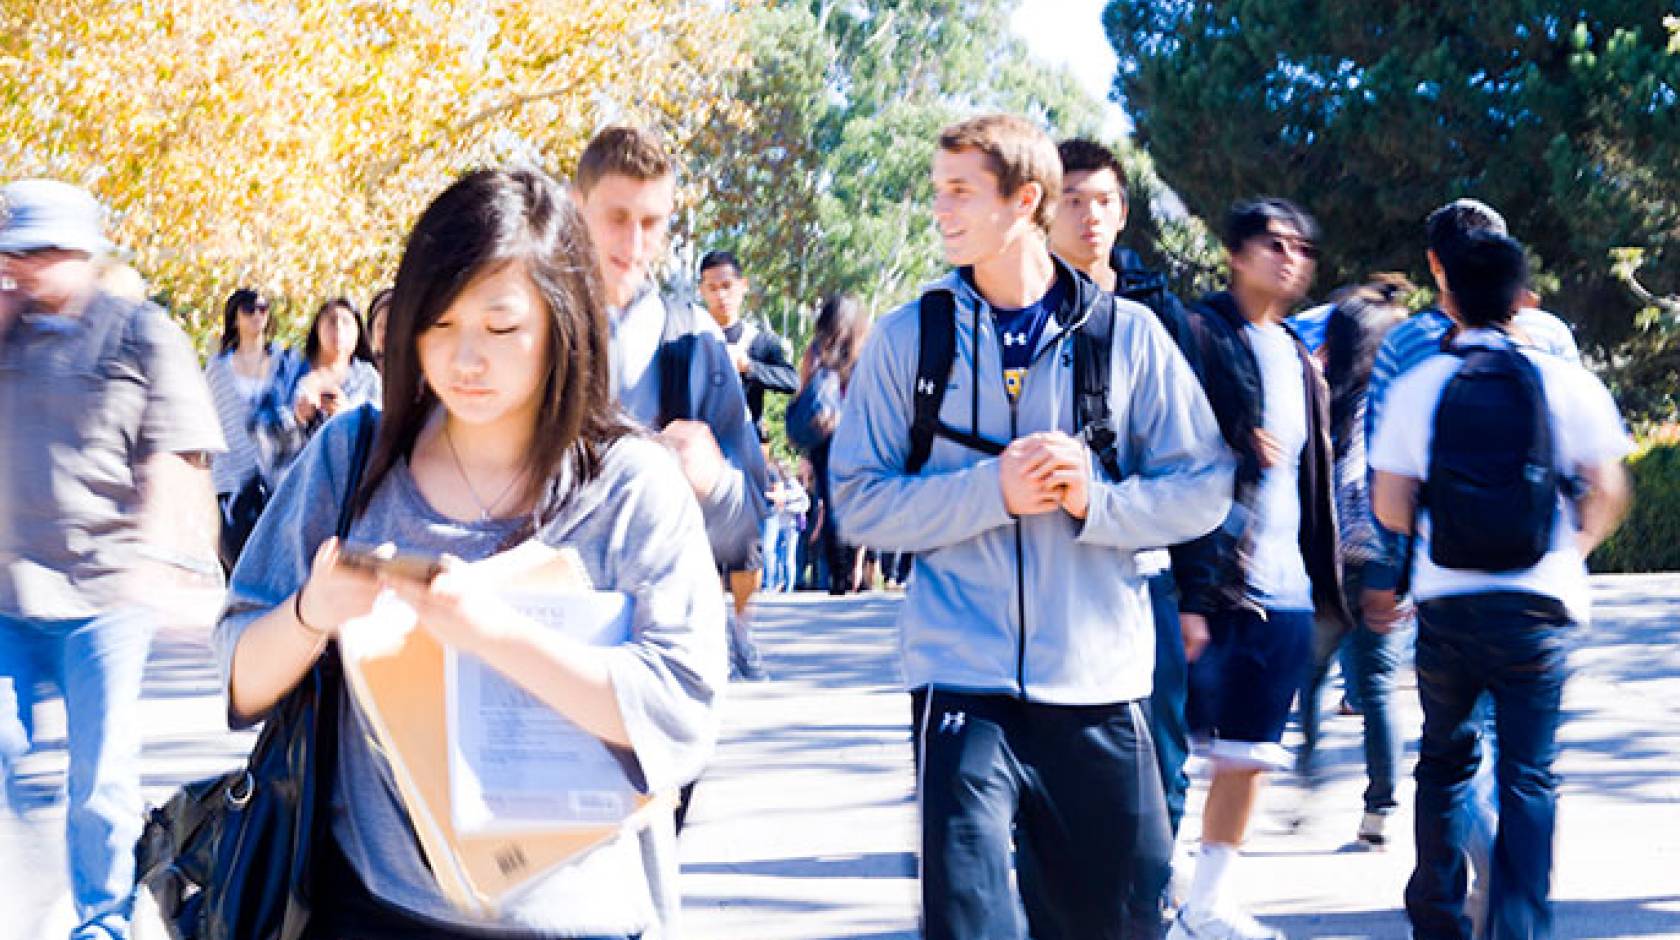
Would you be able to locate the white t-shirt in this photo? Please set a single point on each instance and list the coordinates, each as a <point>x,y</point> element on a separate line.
<point>1586,431</point>
<point>1277,575</point>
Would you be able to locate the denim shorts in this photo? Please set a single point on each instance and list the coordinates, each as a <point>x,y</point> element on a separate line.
<point>1243,685</point>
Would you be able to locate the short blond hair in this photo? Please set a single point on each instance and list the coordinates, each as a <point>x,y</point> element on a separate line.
<point>1017,152</point>
<point>635,152</point>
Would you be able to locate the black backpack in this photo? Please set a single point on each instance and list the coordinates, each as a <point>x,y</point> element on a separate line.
<point>1092,349</point>
<point>675,360</point>
<point>1493,485</point>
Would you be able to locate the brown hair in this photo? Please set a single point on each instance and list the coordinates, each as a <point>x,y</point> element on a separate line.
<point>837,341</point>
<point>1017,152</point>
<point>627,151</point>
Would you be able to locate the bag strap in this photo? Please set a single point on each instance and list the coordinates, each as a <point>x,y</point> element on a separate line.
<point>327,680</point>
<point>1093,355</point>
<point>938,351</point>
<point>366,423</point>
<point>675,361</point>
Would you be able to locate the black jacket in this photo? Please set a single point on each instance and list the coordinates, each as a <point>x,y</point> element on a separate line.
<point>768,367</point>
<point>1212,571</point>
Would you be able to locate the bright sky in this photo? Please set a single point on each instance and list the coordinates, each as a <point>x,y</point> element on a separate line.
<point>1070,32</point>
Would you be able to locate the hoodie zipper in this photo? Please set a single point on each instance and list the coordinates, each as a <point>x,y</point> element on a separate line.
<point>1014,428</point>
<point>1020,551</point>
<point>1020,577</point>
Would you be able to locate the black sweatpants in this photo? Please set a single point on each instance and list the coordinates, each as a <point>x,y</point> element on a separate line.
<point>1075,787</point>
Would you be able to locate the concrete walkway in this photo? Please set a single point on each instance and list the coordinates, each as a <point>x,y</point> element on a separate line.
<point>805,828</point>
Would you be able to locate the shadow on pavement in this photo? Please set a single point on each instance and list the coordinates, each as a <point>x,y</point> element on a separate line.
<point>867,865</point>
<point>1582,920</point>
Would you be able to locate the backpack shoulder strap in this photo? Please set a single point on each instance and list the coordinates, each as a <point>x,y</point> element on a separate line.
<point>936,352</point>
<point>675,362</point>
<point>1093,356</point>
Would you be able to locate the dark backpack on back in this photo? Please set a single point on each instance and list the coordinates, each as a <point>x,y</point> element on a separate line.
<point>675,360</point>
<point>1092,350</point>
<point>1493,484</point>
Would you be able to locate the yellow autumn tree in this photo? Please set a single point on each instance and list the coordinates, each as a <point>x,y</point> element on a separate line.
<point>289,144</point>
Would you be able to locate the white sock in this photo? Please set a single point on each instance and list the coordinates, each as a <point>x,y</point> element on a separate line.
<point>1207,890</point>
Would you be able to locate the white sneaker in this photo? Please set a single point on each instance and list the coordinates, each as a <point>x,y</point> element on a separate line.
<point>1371,836</point>
<point>1220,925</point>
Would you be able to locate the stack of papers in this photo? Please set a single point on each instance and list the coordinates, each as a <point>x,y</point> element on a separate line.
<point>501,789</point>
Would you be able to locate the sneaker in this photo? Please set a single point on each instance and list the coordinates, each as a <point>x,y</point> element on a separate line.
<point>1371,837</point>
<point>1220,925</point>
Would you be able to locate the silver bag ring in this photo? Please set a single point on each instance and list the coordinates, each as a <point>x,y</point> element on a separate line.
<point>238,799</point>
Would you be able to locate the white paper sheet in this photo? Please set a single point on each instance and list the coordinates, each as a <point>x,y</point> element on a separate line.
<point>515,763</point>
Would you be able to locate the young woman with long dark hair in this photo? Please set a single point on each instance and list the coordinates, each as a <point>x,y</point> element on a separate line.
<point>836,344</point>
<point>498,428</point>
<point>333,373</point>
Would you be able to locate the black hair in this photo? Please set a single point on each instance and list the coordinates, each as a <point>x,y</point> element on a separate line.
<point>1486,272</point>
<point>1352,336</point>
<point>312,342</point>
<point>720,259</point>
<point>379,306</point>
<point>1254,217</point>
<point>1448,225</point>
<point>238,302</point>
<point>485,220</point>
<point>1083,155</point>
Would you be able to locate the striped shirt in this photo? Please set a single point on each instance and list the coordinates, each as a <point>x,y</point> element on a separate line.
<point>235,410</point>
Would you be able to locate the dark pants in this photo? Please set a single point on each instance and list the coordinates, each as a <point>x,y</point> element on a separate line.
<point>1167,724</point>
<point>1515,647</point>
<point>1077,788</point>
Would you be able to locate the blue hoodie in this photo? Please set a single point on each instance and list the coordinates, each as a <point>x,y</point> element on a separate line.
<point>1046,607</point>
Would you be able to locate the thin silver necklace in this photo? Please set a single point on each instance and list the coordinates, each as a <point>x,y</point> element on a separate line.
<point>483,510</point>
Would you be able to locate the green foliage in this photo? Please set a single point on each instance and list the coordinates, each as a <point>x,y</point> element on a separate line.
<point>1371,113</point>
<point>1649,539</point>
<point>818,177</point>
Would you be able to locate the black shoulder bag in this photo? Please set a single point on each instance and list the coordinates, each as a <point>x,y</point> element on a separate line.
<point>230,857</point>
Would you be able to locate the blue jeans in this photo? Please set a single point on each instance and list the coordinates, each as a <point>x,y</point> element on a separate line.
<point>99,663</point>
<point>1515,647</point>
<point>781,543</point>
<point>770,537</point>
<point>1166,703</point>
<point>1372,661</point>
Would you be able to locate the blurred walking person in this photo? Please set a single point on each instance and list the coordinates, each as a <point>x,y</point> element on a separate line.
<point>106,426</point>
<point>825,371</point>
<point>1504,462</point>
<point>1374,647</point>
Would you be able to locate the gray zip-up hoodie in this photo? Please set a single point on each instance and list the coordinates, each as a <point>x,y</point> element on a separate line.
<point>1046,607</point>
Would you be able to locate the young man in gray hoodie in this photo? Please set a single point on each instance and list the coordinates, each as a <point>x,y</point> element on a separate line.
<point>670,368</point>
<point>1027,632</point>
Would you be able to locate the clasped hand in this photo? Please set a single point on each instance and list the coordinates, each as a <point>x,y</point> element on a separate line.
<point>1043,472</point>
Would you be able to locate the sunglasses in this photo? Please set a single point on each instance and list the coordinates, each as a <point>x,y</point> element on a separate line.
<point>1279,245</point>
<point>256,308</point>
